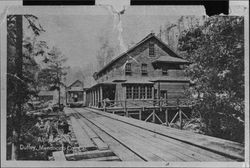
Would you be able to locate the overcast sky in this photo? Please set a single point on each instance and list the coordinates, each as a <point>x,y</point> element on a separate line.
<point>77,34</point>
<point>76,30</point>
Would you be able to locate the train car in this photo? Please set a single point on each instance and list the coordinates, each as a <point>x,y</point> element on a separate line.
<point>75,94</point>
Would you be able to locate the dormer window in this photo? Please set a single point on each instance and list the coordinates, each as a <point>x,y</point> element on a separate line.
<point>144,70</point>
<point>128,70</point>
<point>151,49</point>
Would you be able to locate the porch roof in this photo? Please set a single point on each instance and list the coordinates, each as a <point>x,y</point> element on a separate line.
<point>102,83</point>
<point>170,78</point>
<point>138,81</point>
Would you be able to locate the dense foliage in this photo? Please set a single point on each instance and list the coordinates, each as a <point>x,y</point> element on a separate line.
<point>52,76</point>
<point>23,47</point>
<point>216,51</point>
<point>21,68</point>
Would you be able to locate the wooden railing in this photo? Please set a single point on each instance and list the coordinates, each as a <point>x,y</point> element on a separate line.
<point>143,103</point>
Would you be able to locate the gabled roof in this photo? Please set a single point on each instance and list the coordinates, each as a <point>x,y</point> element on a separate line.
<point>75,82</point>
<point>169,59</point>
<point>151,35</point>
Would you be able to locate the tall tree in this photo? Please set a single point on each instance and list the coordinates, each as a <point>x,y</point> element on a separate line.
<point>216,50</point>
<point>52,75</point>
<point>18,80</point>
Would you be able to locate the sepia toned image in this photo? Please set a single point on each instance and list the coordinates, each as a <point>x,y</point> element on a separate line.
<point>101,86</point>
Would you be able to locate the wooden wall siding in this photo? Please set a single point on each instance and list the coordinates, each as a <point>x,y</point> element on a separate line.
<point>119,92</point>
<point>174,89</point>
<point>176,73</point>
<point>116,71</point>
<point>141,54</point>
<point>173,86</point>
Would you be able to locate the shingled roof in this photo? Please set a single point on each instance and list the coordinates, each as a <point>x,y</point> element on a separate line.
<point>151,35</point>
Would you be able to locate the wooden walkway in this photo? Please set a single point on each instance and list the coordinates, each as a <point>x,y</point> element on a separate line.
<point>134,140</point>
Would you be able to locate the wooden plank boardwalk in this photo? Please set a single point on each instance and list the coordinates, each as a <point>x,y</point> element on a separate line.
<point>94,149</point>
<point>134,140</point>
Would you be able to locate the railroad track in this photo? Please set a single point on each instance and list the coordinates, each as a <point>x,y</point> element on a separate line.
<point>134,140</point>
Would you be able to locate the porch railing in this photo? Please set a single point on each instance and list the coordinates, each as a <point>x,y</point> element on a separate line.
<point>143,103</point>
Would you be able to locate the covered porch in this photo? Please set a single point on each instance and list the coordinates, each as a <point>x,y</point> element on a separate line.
<point>99,92</point>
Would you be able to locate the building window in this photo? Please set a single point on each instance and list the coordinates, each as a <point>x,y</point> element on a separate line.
<point>164,70</point>
<point>142,92</point>
<point>129,94</point>
<point>149,92</point>
<point>128,70</point>
<point>144,70</point>
<point>151,49</point>
<point>136,92</point>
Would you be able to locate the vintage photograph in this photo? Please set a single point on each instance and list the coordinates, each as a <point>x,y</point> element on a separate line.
<point>124,87</point>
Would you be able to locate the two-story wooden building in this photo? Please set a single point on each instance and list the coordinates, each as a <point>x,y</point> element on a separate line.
<point>149,70</point>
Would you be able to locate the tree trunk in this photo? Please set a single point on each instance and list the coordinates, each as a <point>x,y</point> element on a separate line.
<point>19,74</point>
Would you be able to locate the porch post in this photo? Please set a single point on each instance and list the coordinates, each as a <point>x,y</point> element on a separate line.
<point>95,97</point>
<point>89,101</point>
<point>91,97</point>
<point>98,97</point>
<point>101,96</point>
<point>92,103</point>
<point>86,96</point>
